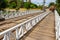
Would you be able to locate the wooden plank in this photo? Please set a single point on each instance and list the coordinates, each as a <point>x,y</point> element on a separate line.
<point>44,30</point>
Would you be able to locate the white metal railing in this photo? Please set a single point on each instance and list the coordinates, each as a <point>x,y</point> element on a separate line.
<point>12,14</point>
<point>59,29</point>
<point>57,25</point>
<point>19,30</point>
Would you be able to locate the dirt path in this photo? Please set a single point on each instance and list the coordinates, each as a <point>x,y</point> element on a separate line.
<point>44,30</point>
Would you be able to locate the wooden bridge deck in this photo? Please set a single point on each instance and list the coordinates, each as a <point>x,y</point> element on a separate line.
<point>44,30</point>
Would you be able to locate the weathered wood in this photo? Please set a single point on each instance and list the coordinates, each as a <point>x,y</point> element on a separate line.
<point>12,22</point>
<point>44,30</point>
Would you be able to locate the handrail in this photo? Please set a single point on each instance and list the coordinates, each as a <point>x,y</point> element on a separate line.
<point>22,28</point>
<point>57,24</point>
<point>13,14</point>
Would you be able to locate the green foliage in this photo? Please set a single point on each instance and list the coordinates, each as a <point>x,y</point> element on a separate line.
<point>18,4</point>
<point>52,3</point>
<point>57,1</point>
<point>40,6</point>
<point>26,5</point>
<point>58,6</point>
<point>3,4</point>
<point>12,5</point>
<point>29,5</point>
<point>21,3</point>
<point>33,5</point>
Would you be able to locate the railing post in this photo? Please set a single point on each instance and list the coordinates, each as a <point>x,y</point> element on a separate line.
<point>17,36</point>
<point>8,38</point>
<point>5,37</point>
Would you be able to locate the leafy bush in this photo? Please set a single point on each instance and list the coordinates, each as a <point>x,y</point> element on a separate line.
<point>26,5</point>
<point>29,5</point>
<point>19,3</point>
<point>40,6</point>
<point>33,5</point>
<point>58,9</point>
<point>3,4</point>
<point>52,3</point>
<point>16,5</point>
<point>58,6</point>
<point>12,5</point>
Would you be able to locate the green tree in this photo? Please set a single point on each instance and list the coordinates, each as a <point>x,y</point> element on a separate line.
<point>3,4</point>
<point>26,5</point>
<point>29,5</point>
<point>52,3</point>
<point>58,6</point>
<point>33,5</point>
<point>19,3</point>
<point>40,6</point>
<point>12,5</point>
<point>22,3</point>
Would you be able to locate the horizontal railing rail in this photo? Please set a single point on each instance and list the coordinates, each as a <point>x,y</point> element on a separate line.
<point>13,14</point>
<point>16,32</point>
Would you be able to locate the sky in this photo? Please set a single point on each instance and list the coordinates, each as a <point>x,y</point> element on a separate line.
<point>40,2</point>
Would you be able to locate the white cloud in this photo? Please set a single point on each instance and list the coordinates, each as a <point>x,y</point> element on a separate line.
<point>41,1</point>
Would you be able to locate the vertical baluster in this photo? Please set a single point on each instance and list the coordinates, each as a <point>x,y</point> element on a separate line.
<point>19,13</point>
<point>5,37</point>
<point>17,35</point>
<point>22,13</point>
<point>31,24</point>
<point>35,20</point>
<point>8,14</point>
<point>8,36</point>
<point>19,30</point>
<point>38,19</point>
<point>25,12</point>
<point>27,26</point>
<point>22,31</point>
<point>13,15</point>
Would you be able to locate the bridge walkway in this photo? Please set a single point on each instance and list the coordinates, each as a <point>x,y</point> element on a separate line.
<point>44,30</point>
